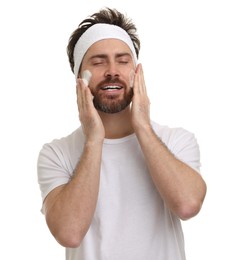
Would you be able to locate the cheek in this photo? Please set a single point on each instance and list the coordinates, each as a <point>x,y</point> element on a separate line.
<point>94,79</point>
<point>97,76</point>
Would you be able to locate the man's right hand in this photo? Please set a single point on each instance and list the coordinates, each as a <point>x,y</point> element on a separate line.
<point>90,120</point>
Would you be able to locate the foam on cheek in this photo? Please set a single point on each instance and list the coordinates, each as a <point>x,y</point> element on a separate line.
<point>86,77</point>
<point>132,76</point>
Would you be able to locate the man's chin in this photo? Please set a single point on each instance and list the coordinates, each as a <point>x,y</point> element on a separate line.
<point>112,107</point>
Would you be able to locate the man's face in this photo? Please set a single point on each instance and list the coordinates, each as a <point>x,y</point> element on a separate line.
<point>111,64</point>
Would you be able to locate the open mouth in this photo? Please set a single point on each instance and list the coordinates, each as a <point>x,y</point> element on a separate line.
<point>111,88</point>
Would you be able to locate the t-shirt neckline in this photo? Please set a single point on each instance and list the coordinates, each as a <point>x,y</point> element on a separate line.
<point>119,140</point>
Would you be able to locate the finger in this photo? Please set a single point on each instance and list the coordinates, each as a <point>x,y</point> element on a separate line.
<point>132,77</point>
<point>86,98</point>
<point>81,99</point>
<point>136,80</point>
<point>140,86</point>
<point>78,93</point>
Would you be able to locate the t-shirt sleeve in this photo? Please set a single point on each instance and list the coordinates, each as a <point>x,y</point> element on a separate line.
<point>184,146</point>
<point>51,169</point>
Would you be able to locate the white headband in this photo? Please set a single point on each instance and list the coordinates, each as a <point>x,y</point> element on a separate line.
<point>97,32</point>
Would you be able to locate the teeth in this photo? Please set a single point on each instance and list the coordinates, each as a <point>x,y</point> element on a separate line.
<point>111,87</point>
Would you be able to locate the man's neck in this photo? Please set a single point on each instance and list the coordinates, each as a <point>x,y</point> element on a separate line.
<point>117,125</point>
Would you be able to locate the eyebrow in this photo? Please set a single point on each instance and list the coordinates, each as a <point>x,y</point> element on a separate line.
<point>123,54</point>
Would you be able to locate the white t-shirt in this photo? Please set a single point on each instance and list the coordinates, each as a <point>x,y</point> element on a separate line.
<point>131,221</point>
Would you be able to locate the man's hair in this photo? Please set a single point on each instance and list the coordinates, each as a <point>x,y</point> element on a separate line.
<point>108,16</point>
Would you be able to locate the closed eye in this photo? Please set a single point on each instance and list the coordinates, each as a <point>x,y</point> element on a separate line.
<point>124,58</point>
<point>123,62</point>
<point>98,62</point>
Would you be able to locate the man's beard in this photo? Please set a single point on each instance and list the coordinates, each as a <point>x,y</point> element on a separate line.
<point>112,103</point>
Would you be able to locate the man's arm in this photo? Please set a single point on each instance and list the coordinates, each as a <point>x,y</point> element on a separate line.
<point>181,187</point>
<point>69,208</point>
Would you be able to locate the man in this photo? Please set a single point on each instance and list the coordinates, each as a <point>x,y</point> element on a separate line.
<point>118,187</point>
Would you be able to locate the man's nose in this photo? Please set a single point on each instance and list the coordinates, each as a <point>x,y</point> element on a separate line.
<point>112,70</point>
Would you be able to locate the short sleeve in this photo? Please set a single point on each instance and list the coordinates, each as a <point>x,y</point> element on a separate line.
<point>181,143</point>
<point>184,146</point>
<point>51,169</point>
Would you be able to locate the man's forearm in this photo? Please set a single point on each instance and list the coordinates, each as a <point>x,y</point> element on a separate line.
<point>181,187</point>
<point>70,208</point>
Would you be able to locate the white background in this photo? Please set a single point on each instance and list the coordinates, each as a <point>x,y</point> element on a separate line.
<point>193,59</point>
